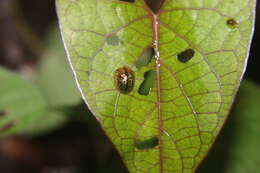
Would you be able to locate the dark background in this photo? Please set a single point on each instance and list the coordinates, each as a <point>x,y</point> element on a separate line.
<point>79,146</point>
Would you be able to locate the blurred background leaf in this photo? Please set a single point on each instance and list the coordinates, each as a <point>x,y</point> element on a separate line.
<point>244,154</point>
<point>56,89</point>
<point>55,77</point>
<point>57,84</point>
<point>44,124</point>
<point>21,103</point>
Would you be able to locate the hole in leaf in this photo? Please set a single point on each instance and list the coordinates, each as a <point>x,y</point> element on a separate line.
<point>128,0</point>
<point>7,126</point>
<point>154,5</point>
<point>147,144</point>
<point>148,83</point>
<point>186,55</point>
<point>112,40</point>
<point>124,79</point>
<point>232,23</point>
<point>145,58</point>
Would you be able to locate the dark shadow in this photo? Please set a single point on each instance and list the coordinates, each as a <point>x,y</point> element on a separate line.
<point>128,0</point>
<point>219,156</point>
<point>253,70</point>
<point>154,5</point>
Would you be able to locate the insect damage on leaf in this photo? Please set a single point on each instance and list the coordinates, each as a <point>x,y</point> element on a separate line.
<point>124,80</point>
<point>148,83</point>
<point>232,23</point>
<point>112,40</point>
<point>186,55</point>
<point>167,122</point>
<point>145,57</point>
<point>147,143</point>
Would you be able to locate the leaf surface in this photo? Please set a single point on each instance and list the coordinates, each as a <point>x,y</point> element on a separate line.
<point>200,53</point>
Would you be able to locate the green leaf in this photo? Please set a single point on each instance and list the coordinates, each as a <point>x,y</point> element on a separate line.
<point>193,91</point>
<point>57,85</point>
<point>243,156</point>
<point>21,103</point>
<point>54,76</point>
<point>52,120</point>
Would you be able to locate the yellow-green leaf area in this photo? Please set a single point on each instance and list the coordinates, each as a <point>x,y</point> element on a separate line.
<point>191,95</point>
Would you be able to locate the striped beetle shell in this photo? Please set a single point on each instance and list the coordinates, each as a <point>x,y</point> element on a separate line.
<point>124,79</point>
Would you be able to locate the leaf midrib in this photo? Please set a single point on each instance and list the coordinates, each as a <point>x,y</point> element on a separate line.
<point>155,23</point>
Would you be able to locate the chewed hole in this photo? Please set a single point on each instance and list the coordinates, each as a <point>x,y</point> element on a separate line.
<point>112,40</point>
<point>232,23</point>
<point>148,82</point>
<point>147,143</point>
<point>124,79</point>
<point>186,55</point>
<point>128,0</point>
<point>7,126</point>
<point>145,58</point>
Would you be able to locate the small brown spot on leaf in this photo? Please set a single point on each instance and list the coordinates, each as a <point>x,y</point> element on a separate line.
<point>186,55</point>
<point>112,40</point>
<point>232,23</point>
<point>124,79</point>
<point>147,143</point>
